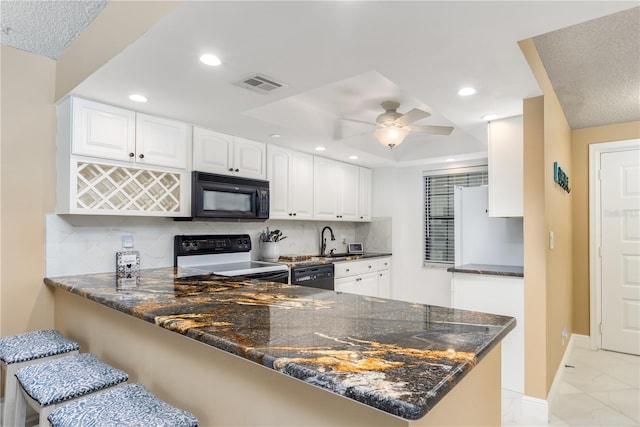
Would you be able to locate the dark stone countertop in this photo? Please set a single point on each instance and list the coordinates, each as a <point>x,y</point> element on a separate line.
<point>306,260</point>
<point>399,357</point>
<point>488,269</point>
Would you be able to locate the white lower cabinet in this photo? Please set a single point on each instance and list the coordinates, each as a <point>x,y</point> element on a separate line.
<point>497,295</point>
<point>369,277</point>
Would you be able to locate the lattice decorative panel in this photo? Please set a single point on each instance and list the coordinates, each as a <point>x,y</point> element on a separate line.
<point>126,189</point>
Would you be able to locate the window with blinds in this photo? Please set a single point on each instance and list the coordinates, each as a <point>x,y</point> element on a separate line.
<point>439,216</point>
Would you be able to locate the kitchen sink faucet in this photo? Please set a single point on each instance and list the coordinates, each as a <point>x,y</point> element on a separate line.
<point>323,246</point>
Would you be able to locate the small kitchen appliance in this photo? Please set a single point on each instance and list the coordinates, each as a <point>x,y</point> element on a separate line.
<point>227,255</point>
<point>355,248</point>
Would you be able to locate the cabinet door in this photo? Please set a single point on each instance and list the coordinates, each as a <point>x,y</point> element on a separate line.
<point>347,284</point>
<point>384,284</point>
<point>505,160</point>
<point>103,131</point>
<point>367,284</point>
<point>325,189</point>
<point>364,195</point>
<point>301,185</point>
<point>348,187</point>
<point>249,159</point>
<point>212,151</point>
<point>162,142</point>
<point>278,174</point>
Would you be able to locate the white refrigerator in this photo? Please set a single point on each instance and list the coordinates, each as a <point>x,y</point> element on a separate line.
<point>480,239</point>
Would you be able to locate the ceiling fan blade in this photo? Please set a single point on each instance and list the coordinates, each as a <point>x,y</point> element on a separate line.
<point>359,121</point>
<point>436,130</point>
<point>411,116</point>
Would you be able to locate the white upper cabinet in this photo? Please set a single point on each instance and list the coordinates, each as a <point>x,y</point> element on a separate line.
<point>212,151</point>
<point>506,137</point>
<point>103,131</point>
<point>249,158</point>
<point>348,198</point>
<point>325,189</point>
<point>216,152</point>
<point>162,142</point>
<point>290,175</point>
<point>338,192</point>
<point>364,190</point>
<point>114,133</point>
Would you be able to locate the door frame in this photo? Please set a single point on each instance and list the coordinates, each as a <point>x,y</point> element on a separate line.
<point>595,226</point>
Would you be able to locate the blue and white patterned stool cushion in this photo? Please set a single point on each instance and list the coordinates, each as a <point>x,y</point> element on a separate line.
<point>34,345</point>
<point>68,377</point>
<point>129,405</point>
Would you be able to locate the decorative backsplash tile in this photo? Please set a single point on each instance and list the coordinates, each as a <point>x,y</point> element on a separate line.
<point>78,244</point>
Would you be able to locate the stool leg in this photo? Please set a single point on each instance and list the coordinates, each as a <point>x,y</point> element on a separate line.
<point>20,411</point>
<point>9,396</point>
<point>44,413</point>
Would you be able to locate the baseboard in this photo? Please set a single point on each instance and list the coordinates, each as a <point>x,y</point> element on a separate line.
<point>538,409</point>
<point>576,340</point>
<point>535,409</point>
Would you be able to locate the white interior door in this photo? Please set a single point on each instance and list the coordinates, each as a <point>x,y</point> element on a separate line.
<point>620,237</point>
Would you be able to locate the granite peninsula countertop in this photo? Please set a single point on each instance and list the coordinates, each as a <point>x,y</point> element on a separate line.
<point>489,269</point>
<point>399,357</point>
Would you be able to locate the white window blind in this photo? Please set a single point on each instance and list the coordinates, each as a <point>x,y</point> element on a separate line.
<point>439,212</point>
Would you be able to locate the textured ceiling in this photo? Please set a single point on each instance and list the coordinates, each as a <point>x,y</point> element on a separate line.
<point>45,28</point>
<point>595,69</point>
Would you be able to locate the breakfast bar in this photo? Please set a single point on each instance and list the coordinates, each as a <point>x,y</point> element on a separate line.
<point>264,353</point>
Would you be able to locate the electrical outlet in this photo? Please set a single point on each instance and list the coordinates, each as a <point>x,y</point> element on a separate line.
<point>127,240</point>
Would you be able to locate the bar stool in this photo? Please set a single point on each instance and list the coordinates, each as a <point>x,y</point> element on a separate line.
<point>18,351</point>
<point>45,385</point>
<point>125,406</point>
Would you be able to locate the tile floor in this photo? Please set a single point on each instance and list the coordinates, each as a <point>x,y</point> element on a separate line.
<point>598,388</point>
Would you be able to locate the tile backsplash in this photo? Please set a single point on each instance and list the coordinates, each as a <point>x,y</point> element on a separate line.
<point>87,244</point>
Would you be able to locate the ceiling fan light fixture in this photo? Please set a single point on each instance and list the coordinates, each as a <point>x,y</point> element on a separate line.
<point>391,135</point>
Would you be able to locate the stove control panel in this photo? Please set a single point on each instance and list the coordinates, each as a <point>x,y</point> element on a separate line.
<point>210,244</point>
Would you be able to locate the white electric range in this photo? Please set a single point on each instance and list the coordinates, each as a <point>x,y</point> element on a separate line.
<point>226,255</point>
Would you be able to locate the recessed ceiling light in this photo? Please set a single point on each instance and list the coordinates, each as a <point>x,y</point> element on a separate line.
<point>275,135</point>
<point>209,59</point>
<point>353,157</point>
<point>466,91</point>
<point>320,149</point>
<point>138,98</point>
<point>450,160</point>
<point>489,117</point>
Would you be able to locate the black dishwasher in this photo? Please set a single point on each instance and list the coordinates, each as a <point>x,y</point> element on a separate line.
<point>314,276</point>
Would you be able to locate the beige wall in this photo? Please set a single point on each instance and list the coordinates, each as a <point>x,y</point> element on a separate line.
<point>30,86</point>
<point>27,177</point>
<point>550,304</point>
<point>558,205</point>
<point>582,138</point>
<point>535,247</point>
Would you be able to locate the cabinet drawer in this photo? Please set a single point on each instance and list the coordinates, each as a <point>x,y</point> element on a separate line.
<point>384,263</point>
<point>352,268</point>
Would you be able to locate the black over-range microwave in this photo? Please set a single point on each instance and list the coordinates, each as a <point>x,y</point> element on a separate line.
<point>222,197</point>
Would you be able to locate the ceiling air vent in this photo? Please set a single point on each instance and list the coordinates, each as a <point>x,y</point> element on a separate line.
<point>260,83</point>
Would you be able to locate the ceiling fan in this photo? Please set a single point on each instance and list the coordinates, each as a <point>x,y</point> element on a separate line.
<point>393,127</point>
